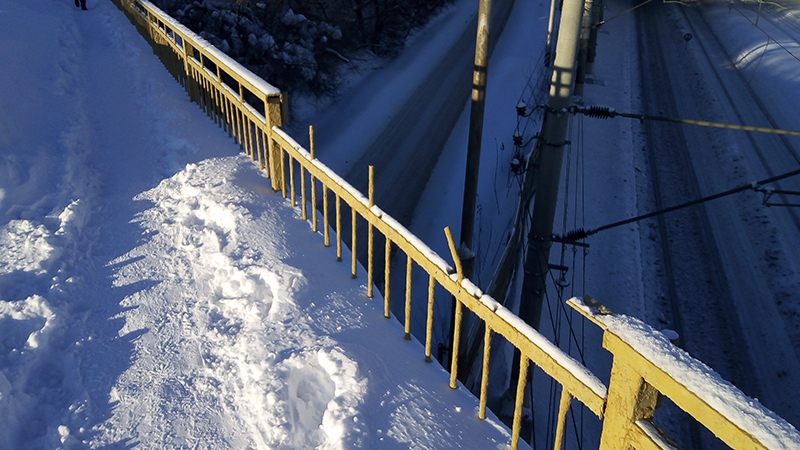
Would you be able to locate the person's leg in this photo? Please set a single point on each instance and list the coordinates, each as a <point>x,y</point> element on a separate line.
<point>83,5</point>
<point>77,3</point>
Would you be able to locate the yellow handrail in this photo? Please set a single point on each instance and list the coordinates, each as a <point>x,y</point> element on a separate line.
<point>252,111</point>
<point>647,365</point>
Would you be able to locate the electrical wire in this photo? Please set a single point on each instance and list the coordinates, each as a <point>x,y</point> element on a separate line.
<point>604,112</point>
<point>755,186</point>
<point>603,22</point>
<point>765,33</point>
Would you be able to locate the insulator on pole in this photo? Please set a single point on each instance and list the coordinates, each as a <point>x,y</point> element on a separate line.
<point>600,112</point>
<point>522,108</point>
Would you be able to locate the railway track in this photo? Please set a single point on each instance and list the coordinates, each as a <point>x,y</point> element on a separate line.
<point>678,239</point>
<point>726,304</point>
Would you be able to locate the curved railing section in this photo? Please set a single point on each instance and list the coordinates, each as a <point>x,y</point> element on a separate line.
<point>646,365</point>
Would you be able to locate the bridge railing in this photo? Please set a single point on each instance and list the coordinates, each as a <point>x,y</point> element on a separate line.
<point>647,365</point>
<point>252,111</point>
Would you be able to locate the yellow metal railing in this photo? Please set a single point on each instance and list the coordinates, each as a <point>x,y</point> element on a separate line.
<point>647,365</point>
<point>252,113</point>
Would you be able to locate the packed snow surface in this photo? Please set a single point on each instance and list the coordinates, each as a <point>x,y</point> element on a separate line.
<point>155,293</point>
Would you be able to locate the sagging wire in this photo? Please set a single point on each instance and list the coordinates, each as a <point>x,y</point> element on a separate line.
<point>560,315</point>
<point>755,24</point>
<point>606,112</point>
<point>603,22</point>
<point>757,186</point>
<point>537,85</point>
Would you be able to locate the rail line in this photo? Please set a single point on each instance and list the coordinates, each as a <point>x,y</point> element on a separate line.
<point>779,22</point>
<point>764,148</point>
<point>736,97</point>
<point>673,180</point>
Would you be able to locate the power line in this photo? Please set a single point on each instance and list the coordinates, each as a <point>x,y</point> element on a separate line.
<point>755,186</point>
<point>605,112</point>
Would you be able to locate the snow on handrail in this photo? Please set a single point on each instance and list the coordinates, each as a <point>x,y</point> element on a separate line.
<point>218,57</point>
<point>740,421</point>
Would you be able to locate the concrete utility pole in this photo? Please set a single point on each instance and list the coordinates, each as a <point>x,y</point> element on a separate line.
<point>553,139</point>
<point>475,133</point>
<point>479,77</point>
<point>583,50</point>
<point>551,154</point>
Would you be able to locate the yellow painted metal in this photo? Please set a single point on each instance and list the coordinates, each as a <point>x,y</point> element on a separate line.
<point>651,439</point>
<point>338,227</point>
<point>387,267</point>
<point>487,351</point>
<point>407,324</point>
<point>370,232</point>
<point>429,321</point>
<point>248,143</point>
<point>563,408</point>
<point>454,349</point>
<point>458,313</point>
<point>551,365</point>
<point>313,181</point>
<point>325,221</point>
<point>354,265</point>
<point>452,244</point>
<point>627,403</point>
<point>304,209</point>
<point>624,406</point>
<point>291,182</point>
<point>523,380</point>
<point>259,147</point>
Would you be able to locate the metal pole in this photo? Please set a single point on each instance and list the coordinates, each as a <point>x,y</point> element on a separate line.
<point>475,127</point>
<point>473,150</point>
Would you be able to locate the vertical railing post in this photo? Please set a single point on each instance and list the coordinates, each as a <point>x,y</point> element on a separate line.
<point>563,408</point>
<point>409,267</point>
<point>353,242</point>
<point>522,381</point>
<point>325,221</point>
<point>457,316</point>
<point>630,398</point>
<point>429,321</point>
<point>370,231</point>
<point>386,277</point>
<point>313,181</point>
<point>273,115</point>
<point>487,350</point>
<point>291,182</point>
<point>338,227</point>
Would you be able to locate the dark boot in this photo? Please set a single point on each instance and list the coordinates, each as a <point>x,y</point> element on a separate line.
<point>77,3</point>
<point>83,5</point>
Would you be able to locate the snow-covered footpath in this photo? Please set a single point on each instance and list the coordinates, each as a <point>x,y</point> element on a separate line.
<point>155,294</point>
